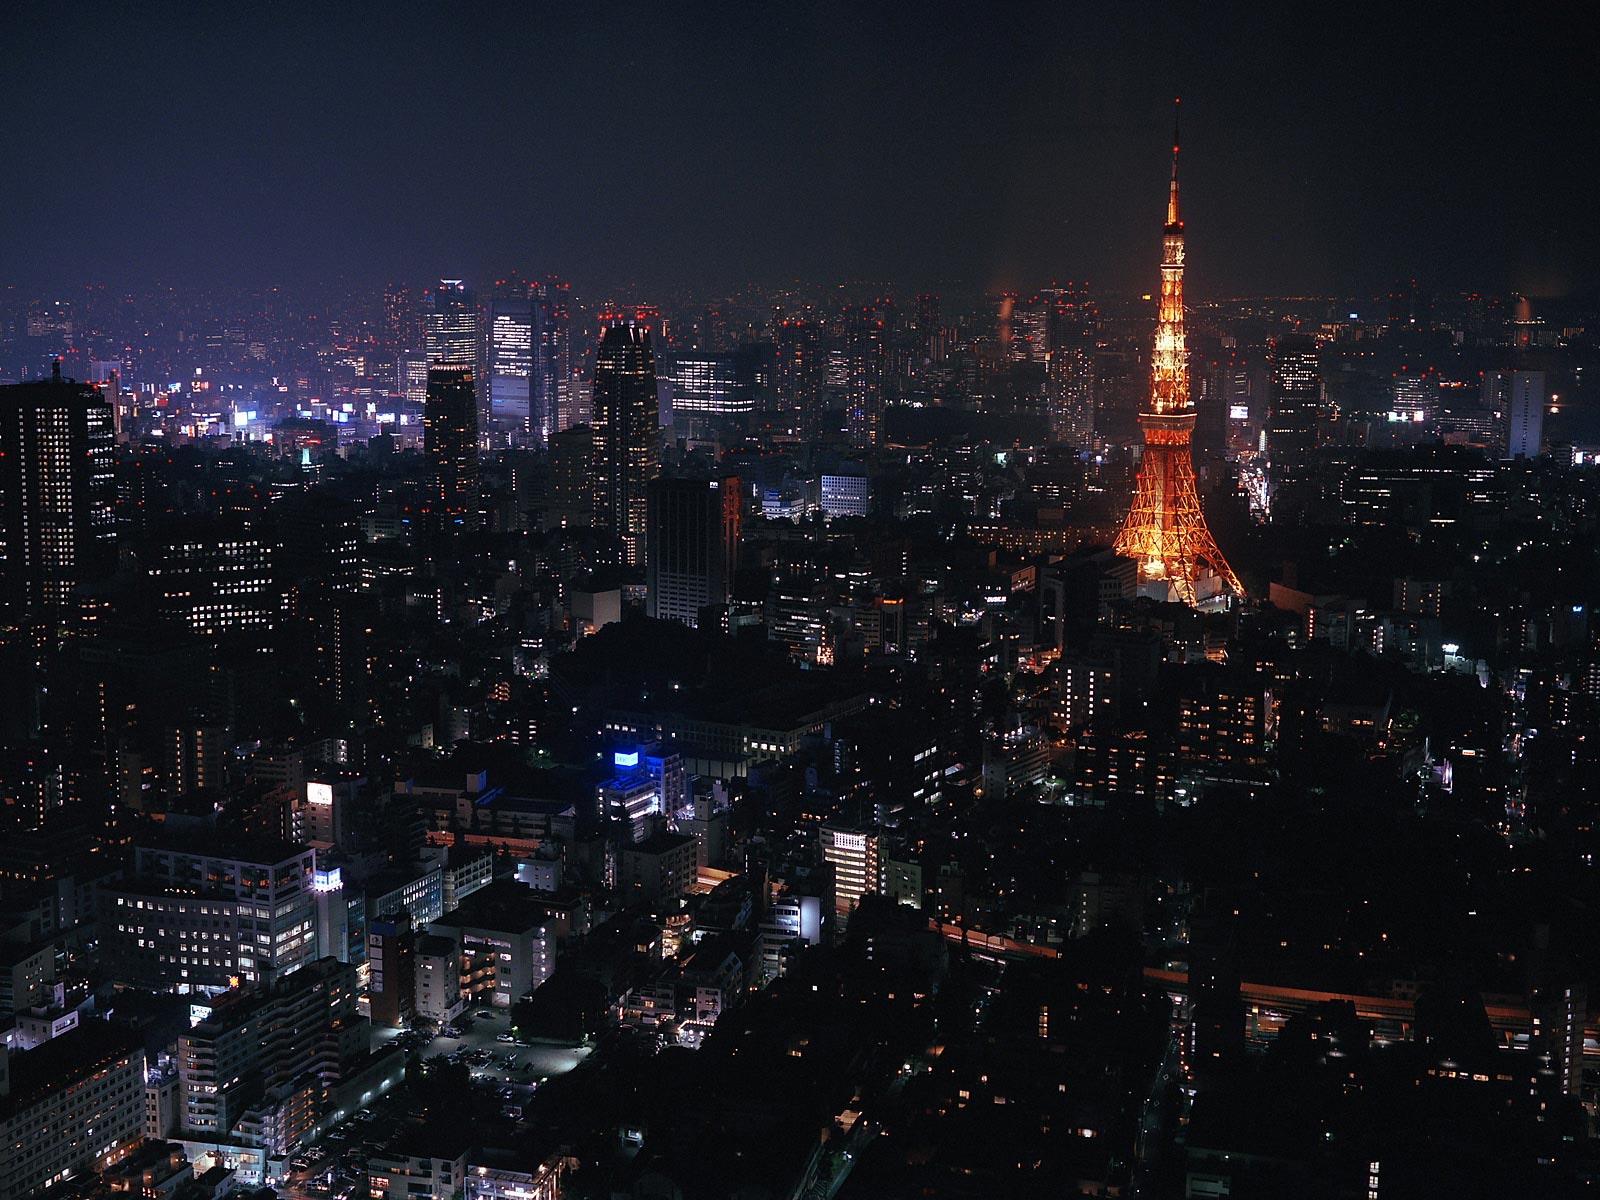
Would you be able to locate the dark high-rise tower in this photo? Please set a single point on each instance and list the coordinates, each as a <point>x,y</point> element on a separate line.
<point>1165,530</point>
<point>549,399</point>
<point>1296,406</point>
<point>929,322</point>
<point>56,495</point>
<point>694,540</point>
<point>450,441</point>
<point>627,436</point>
<point>1069,364</point>
<point>800,374</point>
<point>864,353</point>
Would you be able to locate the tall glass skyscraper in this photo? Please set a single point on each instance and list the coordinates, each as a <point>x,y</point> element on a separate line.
<point>550,392</point>
<point>511,363</point>
<point>451,325</point>
<point>626,431</point>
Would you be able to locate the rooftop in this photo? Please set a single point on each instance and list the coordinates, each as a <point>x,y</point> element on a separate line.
<point>92,1046</point>
<point>504,905</point>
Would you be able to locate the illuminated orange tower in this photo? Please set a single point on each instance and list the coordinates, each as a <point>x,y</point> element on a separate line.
<point>1165,531</point>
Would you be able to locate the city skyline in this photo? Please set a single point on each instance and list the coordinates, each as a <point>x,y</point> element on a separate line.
<point>691,601</point>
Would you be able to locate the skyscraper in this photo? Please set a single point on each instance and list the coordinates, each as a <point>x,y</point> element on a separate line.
<point>511,363</point>
<point>1069,365</point>
<point>693,545</point>
<point>801,374</point>
<point>1165,531</point>
<point>453,335</point>
<point>864,361</point>
<point>1416,397</point>
<point>570,499</point>
<point>57,493</point>
<point>1524,409</point>
<point>929,322</point>
<point>450,441</point>
<point>627,436</point>
<point>549,403</point>
<point>1296,405</point>
<point>707,383</point>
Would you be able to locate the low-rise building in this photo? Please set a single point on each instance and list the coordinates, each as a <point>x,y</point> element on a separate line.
<point>662,867</point>
<point>438,990</point>
<point>502,942</point>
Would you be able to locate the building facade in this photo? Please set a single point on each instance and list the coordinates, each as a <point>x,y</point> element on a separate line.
<point>693,547</point>
<point>57,527</point>
<point>626,437</point>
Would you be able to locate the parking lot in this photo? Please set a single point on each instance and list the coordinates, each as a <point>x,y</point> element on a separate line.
<point>334,1169</point>
<point>527,1063</point>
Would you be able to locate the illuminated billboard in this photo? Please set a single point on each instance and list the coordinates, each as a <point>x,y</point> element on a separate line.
<point>319,793</point>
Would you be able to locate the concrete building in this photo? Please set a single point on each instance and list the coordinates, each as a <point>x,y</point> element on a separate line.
<point>161,1103</point>
<point>663,867</point>
<point>391,972</point>
<point>73,1106</point>
<point>438,984</point>
<point>255,1071</point>
<point>857,859</point>
<point>501,941</point>
<point>416,890</point>
<point>192,919</point>
<point>467,868</point>
<point>417,1173</point>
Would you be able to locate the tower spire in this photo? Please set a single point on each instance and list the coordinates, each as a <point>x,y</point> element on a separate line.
<point>1172,194</point>
<point>1165,530</point>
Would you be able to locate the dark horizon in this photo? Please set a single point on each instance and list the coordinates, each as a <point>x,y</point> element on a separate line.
<point>637,146</point>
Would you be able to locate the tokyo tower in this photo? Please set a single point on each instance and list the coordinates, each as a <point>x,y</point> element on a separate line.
<point>1165,531</point>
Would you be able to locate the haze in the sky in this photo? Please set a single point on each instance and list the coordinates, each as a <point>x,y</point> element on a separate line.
<point>1326,148</point>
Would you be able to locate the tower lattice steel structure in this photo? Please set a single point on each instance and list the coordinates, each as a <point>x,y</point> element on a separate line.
<point>1165,530</point>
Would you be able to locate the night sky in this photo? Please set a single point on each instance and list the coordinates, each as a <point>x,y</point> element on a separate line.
<point>1327,148</point>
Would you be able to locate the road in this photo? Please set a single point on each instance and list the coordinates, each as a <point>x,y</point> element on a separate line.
<point>1152,1140</point>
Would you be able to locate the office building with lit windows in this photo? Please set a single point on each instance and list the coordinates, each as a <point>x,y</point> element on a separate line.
<point>212,579</point>
<point>845,492</point>
<point>57,527</point>
<point>511,349</point>
<point>451,326</point>
<point>189,919</point>
<point>255,1069</point>
<point>1295,403</point>
<point>856,856</point>
<point>69,1108</point>
<point>707,383</point>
